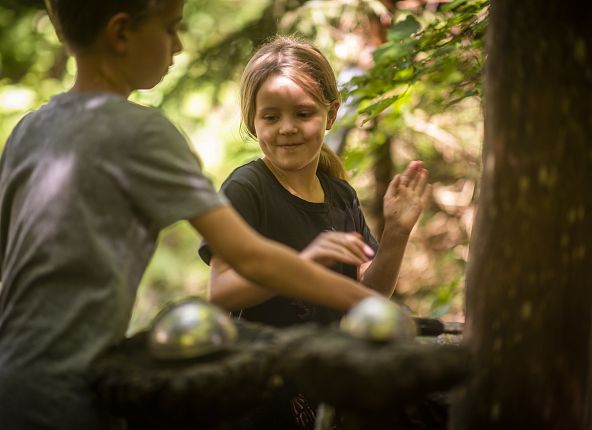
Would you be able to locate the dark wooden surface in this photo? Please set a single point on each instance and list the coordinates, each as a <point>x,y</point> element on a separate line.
<point>372,385</point>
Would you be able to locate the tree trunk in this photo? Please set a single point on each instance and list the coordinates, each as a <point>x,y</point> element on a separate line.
<point>529,278</point>
<point>383,173</point>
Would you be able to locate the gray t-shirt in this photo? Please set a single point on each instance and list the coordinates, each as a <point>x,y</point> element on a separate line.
<point>86,184</point>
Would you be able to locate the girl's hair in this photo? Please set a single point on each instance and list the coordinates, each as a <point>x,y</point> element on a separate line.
<point>306,66</point>
<point>79,22</point>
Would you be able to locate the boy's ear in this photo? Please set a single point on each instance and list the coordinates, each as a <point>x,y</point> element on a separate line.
<point>332,115</point>
<point>117,31</point>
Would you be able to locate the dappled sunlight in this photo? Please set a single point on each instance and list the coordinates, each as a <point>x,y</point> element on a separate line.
<point>210,140</point>
<point>16,99</point>
<point>52,178</point>
<point>455,197</point>
<point>209,146</point>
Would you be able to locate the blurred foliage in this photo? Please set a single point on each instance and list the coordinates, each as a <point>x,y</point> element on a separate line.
<point>423,90</point>
<point>443,56</point>
<point>418,92</point>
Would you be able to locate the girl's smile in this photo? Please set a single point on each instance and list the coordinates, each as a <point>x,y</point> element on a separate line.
<point>289,146</point>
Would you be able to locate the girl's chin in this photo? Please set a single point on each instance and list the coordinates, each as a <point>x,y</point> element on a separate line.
<point>290,165</point>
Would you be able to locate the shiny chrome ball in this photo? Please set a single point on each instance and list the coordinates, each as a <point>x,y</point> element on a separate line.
<point>379,319</point>
<point>190,328</point>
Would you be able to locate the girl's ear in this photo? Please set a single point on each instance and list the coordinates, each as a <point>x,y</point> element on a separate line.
<point>332,114</point>
<point>117,31</point>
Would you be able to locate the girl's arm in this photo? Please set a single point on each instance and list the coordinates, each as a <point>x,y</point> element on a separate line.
<point>273,265</point>
<point>403,203</point>
<point>232,292</point>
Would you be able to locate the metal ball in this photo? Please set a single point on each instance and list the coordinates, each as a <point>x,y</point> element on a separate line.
<point>379,319</point>
<point>190,328</point>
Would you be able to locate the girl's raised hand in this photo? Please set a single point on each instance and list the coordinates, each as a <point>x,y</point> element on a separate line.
<point>332,247</point>
<point>405,198</point>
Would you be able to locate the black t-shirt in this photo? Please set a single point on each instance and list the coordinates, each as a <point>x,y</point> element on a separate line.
<point>278,215</point>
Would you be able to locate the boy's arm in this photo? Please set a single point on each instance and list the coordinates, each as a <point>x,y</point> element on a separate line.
<point>273,265</point>
<point>231,291</point>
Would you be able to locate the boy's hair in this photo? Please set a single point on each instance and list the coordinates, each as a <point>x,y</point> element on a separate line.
<point>305,65</point>
<point>79,22</point>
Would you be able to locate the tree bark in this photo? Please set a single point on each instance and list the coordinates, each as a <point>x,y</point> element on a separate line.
<point>382,169</point>
<point>529,277</point>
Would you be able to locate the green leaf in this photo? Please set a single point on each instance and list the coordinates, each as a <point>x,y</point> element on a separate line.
<point>376,108</point>
<point>444,296</point>
<point>403,29</point>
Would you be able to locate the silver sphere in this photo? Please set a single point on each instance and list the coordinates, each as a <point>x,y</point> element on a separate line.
<point>379,319</point>
<point>189,329</point>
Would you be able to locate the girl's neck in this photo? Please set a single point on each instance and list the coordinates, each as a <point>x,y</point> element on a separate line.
<point>304,183</point>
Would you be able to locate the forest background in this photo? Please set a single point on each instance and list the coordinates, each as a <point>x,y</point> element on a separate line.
<point>411,74</point>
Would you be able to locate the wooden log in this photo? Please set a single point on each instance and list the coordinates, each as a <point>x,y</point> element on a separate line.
<point>371,384</point>
<point>375,385</point>
<point>187,394</point>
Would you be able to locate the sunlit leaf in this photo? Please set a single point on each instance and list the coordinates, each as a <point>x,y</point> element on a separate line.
<point>403,29</point>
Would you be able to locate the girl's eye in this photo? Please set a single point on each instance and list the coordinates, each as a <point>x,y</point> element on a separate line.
<point>269,117</point>
<point>305,114</point>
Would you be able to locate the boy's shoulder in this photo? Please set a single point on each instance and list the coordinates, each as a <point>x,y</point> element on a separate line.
<point>97,124</point>
<point>81,106</point>
<point>106,113</point>
<point>98,102</point>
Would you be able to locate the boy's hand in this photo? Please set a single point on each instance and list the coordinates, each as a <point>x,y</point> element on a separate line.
<point>405,198</point>
<point>332,247</point>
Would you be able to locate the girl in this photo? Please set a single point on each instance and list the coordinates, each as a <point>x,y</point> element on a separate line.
<point>296,194</point>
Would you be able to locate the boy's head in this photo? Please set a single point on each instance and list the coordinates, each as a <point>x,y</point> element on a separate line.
<point>295,59</point>
<point>127,44</point>
<point>79,22</point>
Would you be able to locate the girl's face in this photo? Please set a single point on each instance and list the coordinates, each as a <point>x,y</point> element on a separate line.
<point>290,124</point>
<point>153,43</point>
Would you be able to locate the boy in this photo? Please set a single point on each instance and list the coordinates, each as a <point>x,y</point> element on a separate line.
<point>86,184</point>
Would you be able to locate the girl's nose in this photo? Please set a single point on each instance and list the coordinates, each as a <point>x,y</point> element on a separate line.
<point>287,128</point>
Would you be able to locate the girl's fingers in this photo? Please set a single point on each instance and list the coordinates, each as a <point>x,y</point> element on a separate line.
<point>410,176</point>
<point>421,182</point>
<point>349,245</point>
<point>393,186</point>
<point>413,167</point>
<point>416,179</point>
<point>332,253</point>
<point>368,251</point>
<point>347,258</point>
<point>357,244</point>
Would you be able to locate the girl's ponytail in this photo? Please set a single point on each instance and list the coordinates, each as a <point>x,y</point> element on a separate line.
<point>330,163</point>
